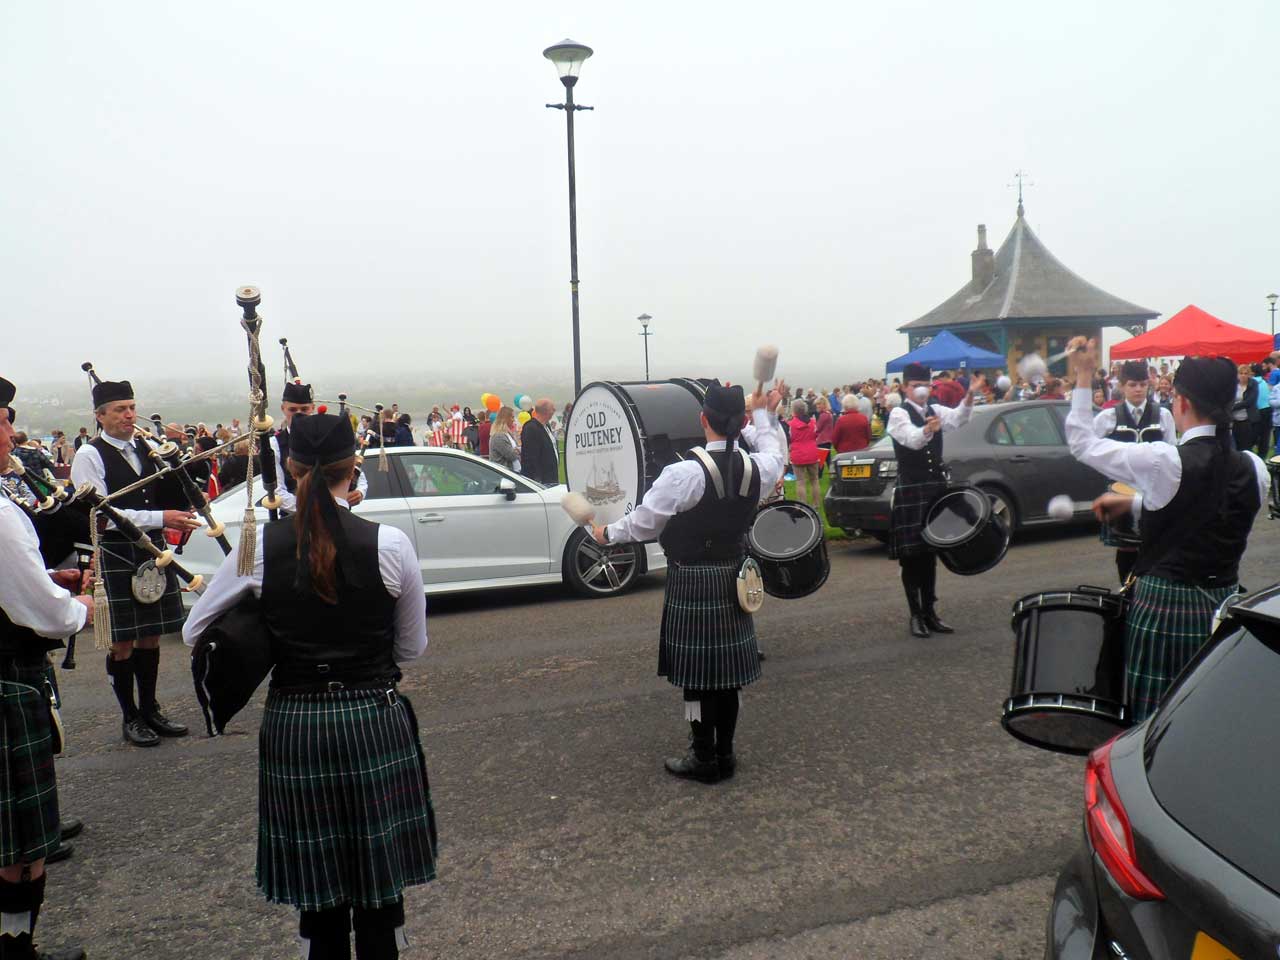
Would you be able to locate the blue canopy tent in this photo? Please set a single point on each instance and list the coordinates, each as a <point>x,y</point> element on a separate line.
<point>946,351</point>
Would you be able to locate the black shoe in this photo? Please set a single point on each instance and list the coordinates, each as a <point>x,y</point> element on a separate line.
<point>66,953</point>
<point>63,852</point>
<point>935,625</point>
<point>139,734</point>
<point>162,725</point>
<point>70,827</point>
<point>689,767</point>
<point>760,654</point>
<point>918,628</point>
<point>728,764</point>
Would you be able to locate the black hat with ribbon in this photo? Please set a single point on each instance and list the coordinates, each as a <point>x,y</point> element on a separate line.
<point>295,392</point>
<point>1210,382</point>
<point>725,407</point>
<point>111,391</point>
<point>315,441</point>
<point>916,371</point>
<point>7,392</point>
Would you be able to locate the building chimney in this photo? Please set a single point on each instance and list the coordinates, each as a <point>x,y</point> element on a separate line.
<point>984,262</point>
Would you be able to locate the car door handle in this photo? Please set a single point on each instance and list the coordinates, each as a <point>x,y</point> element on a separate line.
<point>1019,458</point>
<point>431,518</point>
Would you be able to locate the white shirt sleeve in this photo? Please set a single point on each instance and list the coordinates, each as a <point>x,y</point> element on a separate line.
<point>87,467</point>
<point>27,595</point>
<point>1153,469</point>
<point>223,593</point>
<point>904,431</point>
<point>953,418</point>
<point>678,488</point>
<point>1264,475</point>
<point>770,454</point>
<point>1105,421</point>
<point>287,500</point>
<point>402,575</point>
<point>362,482</point>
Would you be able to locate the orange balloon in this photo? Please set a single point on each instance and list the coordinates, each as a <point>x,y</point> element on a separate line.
<point>492,403</point>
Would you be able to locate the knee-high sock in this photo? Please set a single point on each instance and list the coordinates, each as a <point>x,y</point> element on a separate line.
<point>379,932</point>
<point>911,582</point>
<point>19,910</point>
<point>120,673</point>
<point>146,668</point>
<point>928,580</point>
<point>325,934</point>
<point>726,720</point>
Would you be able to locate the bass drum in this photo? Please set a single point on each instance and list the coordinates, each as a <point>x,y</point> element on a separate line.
<point>620,436</point>
<point>1068,670</point>
<point>787,541</point>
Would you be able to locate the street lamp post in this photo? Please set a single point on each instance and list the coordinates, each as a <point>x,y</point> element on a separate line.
<point>568,58</point>
<point>1271,299</point>
<point>644,319</point>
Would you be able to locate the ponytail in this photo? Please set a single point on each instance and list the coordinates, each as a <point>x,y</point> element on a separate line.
<point>316,548</point>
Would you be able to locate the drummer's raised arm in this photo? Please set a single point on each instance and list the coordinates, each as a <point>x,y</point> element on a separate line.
<point>769,458</point>
<point>1153,469</point>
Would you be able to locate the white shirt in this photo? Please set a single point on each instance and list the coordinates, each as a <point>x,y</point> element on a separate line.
<point>1105,422</point>
<point>1153,469</point>
<point>681,485</point>
<point>912,437</point>
<point>27,595</point>
<point>397,562</point>
<point>87,467</point>
<point>287,500</point>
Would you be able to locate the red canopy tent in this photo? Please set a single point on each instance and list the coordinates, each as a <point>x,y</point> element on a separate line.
<point>1193,333</point>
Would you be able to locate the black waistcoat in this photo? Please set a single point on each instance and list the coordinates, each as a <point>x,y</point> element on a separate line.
<point>1196,550</point>
<point>314,642</point>
<point>923,465</point>
<point>716,527</point>
<point>1145,430</point>
<point>120,474</point>
<point>282,438</point>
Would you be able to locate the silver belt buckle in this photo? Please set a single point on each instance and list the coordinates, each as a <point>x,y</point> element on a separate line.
<point>336,685</point>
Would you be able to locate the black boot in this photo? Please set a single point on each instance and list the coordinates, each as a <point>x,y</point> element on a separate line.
<point>146,667</point>
<point>726,723</point>
<point>929,596</point>
<point>699,762</point>
<point>120,672</point>
<point>26,898</point>
<point>911,586</point>
<point>380,932</point>
<point>327,933</point>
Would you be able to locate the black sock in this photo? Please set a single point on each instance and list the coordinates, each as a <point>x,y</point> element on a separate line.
<point>23,897</point>
<point>726,721</point>
<point>146,668</point>
<point>377,932</point>
<point>121,674</point>
<point>327,932</point>
<point>928,582</point>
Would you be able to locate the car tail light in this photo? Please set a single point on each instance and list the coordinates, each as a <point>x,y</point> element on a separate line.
<point>1109,830</point>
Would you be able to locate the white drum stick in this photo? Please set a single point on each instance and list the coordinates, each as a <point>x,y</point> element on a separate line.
<point>766,364</point>
<point>577,507</point>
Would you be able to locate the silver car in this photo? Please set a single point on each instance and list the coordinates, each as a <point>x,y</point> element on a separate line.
<point>477,526</point>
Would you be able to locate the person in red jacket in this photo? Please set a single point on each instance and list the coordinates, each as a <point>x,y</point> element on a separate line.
<point>804,454</point>
<point>486,427</point>
<point>853,430</point>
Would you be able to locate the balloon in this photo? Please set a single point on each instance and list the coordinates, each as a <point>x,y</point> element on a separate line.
<point>525,402</point>
<point>524,417</point>
<point>515,401</point>
<point>493,417</point>
<point>492,403</point>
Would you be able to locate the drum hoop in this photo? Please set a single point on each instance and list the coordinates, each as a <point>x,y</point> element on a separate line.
<point>809,513</point>
<point>1069,599</point>
<point>943,543</point>
<point>1067,702</point>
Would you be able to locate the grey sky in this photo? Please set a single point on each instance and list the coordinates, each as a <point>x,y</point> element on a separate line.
<point>808,174</point>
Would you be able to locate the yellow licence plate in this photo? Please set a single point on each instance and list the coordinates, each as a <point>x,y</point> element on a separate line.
<point>857,472</point>
<point>1207,948</point>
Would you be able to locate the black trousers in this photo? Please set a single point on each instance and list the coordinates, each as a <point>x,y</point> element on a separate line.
<point>920,580</point>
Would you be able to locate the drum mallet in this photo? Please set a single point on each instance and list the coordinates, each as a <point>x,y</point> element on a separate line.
<point>578,507</point>
<point>765,366</point>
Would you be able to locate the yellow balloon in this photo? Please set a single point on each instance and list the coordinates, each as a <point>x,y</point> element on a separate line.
<point>524,417</point>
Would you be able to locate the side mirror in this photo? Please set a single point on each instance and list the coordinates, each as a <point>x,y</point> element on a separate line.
<point>507,487</point>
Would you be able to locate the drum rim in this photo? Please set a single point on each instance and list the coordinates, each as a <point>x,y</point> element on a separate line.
<point>942,543</point>
<point>1097,601</point>
<point>818,537</point>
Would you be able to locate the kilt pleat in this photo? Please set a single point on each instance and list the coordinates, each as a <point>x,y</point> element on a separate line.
<point>911,503</point>
<point>707,641</point>
<point>131,620</point>
<point>1166,624</point>
<point>344,805</point>
<point>28,787</point>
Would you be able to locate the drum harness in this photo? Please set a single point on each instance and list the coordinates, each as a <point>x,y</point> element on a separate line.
<point>750,580</point>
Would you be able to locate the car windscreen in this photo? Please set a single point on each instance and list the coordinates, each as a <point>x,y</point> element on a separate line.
<point>1211,752</point>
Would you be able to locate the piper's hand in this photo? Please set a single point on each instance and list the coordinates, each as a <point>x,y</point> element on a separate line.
<point>932,426</point>
<point>1112,506</point>
<point>354,497</point>
<point>88,605</point>
<point>597,533</point>
<point>775,396</point>
<point>180,520</point>
<point>66,579</point>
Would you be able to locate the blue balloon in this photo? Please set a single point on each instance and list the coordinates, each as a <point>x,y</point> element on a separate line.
<point>493,417</point>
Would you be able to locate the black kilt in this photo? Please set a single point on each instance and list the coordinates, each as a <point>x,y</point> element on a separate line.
<point>131,620</point>
<point>707,641</point>
<point>28,788</point>
<point>344,806</point>
<point>911,503</point>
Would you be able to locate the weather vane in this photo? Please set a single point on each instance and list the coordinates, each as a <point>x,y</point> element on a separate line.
<point>1022,178</point>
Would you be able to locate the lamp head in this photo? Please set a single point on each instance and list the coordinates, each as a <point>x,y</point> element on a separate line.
<point>568,57</point>
<point>644,319</point>
<point>1272,298</point>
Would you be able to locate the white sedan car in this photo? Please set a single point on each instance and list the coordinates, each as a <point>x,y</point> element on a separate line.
<point>477,526</point>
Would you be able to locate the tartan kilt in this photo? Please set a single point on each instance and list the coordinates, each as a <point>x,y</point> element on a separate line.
<point>707,641</point>
<point>1167,623</point>
<point>344,806</point>
<point>131,620</point>
<point>911,503</point>
<point>28,788</point>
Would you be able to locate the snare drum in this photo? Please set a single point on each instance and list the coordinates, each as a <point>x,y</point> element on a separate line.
<point>1273,507</point>
<point>1068,670</point>
<point>968,534</point>
<point>786,539</point>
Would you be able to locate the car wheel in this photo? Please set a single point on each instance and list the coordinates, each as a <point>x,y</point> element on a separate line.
<point>596,571</point>
<point>1002,504</point>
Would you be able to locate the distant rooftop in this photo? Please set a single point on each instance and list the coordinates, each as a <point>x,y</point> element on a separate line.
<point>1024,281</point>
